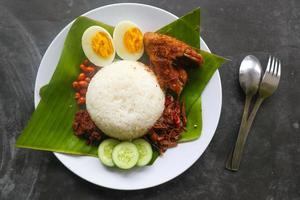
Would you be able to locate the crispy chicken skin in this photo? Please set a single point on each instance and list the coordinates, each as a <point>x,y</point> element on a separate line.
<point>168,57</point>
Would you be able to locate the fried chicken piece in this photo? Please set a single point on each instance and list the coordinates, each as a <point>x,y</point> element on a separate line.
<point>168,57</point>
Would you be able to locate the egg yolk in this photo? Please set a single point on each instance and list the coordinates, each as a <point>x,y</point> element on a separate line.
<point>133,40</point>
<point>102,44</point>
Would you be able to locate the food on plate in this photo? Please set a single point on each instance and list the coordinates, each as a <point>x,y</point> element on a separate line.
<point>85,128</point>
<point>98,46</point>
<point>125,155</point>
<point>124,99</point>
<point>81,83</point>
<point>105,150</point>
<point>145,151</point>
<point>167,130</point>
<point>128,39</point>
<point>168,57</point>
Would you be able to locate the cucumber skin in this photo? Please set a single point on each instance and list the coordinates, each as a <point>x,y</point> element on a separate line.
<point>118,148</point>
<point>148,147</point>
<point>101,157</point>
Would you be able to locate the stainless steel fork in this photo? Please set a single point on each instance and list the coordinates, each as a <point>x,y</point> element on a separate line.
<point>267,87</point>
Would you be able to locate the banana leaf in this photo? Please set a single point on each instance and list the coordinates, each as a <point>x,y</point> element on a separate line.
<point>191,95</point>
<point>50,125</point>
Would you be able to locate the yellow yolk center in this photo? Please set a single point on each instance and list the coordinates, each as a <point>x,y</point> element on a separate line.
<point>102,45</point>
<point>133,40</point>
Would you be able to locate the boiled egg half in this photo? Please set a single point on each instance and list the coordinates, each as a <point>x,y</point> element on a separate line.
<point>98,46</point>
<point>128,39</point>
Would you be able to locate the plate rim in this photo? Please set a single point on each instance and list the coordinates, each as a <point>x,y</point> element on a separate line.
<point>59,156</point>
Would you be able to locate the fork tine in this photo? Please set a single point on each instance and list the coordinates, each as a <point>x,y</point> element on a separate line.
<point>279,69</point>
<point>272,65</point>
<point>269,64</point>
<point>275,67</point>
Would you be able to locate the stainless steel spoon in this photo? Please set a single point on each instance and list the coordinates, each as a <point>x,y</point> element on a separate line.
<point>249,77</point>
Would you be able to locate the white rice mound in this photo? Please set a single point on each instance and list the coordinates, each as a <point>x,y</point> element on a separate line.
<point>124,99</point>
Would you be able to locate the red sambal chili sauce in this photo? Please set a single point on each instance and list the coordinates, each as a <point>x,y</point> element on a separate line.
<point>85,128</point>
<point>166,132</point>
<point>83,125</point>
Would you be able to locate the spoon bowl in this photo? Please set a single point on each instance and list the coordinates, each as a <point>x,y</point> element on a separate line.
<point>250,74</point>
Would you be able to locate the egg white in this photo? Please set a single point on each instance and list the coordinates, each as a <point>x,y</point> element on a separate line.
<point>118,36</point>
<point>86,42</point>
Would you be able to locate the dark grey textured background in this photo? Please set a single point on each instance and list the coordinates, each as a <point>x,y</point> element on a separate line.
<point>232,28</point>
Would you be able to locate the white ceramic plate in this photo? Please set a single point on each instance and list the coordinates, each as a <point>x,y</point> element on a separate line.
<point>176,160</point>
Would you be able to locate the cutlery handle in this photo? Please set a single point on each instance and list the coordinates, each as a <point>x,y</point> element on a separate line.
<point>242,127</point>
<point>253,113</point>
<point>242,137</point>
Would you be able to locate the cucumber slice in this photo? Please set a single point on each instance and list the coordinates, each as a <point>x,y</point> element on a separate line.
<point>105,151</point>
<point>145,151</point>
<point>125,155</point>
